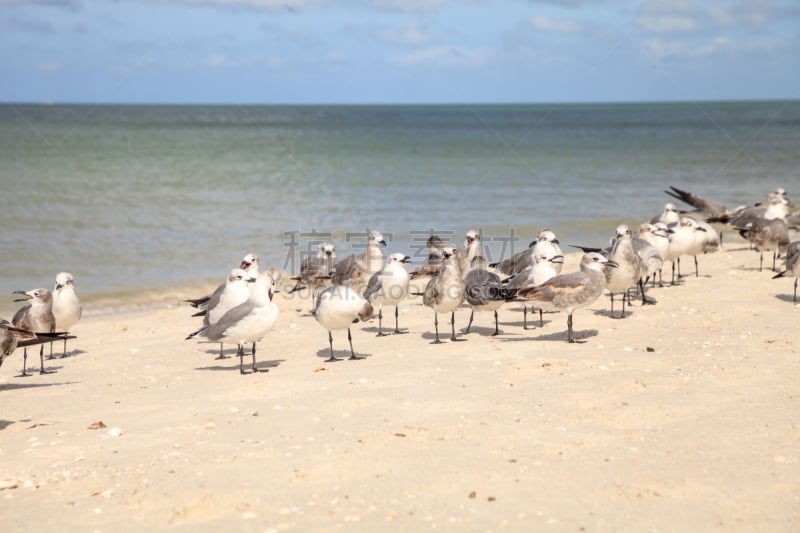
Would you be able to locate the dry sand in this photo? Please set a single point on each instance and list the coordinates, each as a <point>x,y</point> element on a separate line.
<point>682,417</point>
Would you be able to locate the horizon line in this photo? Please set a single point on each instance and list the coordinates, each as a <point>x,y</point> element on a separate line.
<point>403,104</point>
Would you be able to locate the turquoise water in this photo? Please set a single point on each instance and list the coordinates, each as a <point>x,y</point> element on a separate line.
<point>147,197</point>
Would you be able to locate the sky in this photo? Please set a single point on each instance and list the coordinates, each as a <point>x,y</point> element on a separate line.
<point>397,51</point>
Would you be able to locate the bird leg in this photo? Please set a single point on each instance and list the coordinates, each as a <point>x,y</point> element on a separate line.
<point>570,335</point>
<point>696,268</point>
<point>24,363</point>
<point>525,317</point>
<point>471,316</point>
<point>380,324</point>
<point>645,300</point>
<point>254,361</point>
<point>221,355</point>
<point>541,319</point>
<point>496,325</point>
<point>41,361</point>
<point>761,262</point>
<point>330,359</point>
<point>396,327</point>
<point>453,328</point>
<point>240,352</point>
<point>64,354</point>
<point>353,355</point>
<point>794,298</point>
<point>436,327</point>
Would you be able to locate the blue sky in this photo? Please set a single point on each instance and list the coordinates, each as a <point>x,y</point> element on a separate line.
<point>393,51</point>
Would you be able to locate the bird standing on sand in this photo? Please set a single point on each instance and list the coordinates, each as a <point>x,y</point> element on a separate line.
<point>389,286</point>
<point>445,291</point>
<point>37,317</point>
<point>575,290</point>
<point>792,266</point>
<point>626,271</point>
<point>354,271</point>
<point>484,291</point>
<point>235,291</point>
<point>316,270</point>
<point>546,264</point>
<point>338,307</point>
<point>67,306</point>
<point>247,322</point>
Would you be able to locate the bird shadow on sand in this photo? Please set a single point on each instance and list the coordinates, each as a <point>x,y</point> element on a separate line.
<point>5,423</point>
<point>785,298</point>
<point>340,355</point>
<point>561,336</point>
<point>21,385</point>
<point>61,355</point>
<point>444,335</point>
<point>233,365</point>
<point>615,315</point>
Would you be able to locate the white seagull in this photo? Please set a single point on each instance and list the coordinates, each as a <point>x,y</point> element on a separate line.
<point>389,286</point>
<point>339,307</point>
<point>247,322</point>
<point>67,306</point>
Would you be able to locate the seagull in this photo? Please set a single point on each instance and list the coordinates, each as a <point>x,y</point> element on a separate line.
<point>66,304</point>
<point>434,262</point>
<point>472,249</point>
<point>389,286</point>
<point>546,265</point>
<point>546,244</point>
<point>657,235</point>
<point>37,317</point>
<point>315,270</point>
<point>8,339</point>
<point>575,290</point>
<point>247,322</point>
<point>484,291</point>
<point>338,307</point>
<point>650,259</point>
<point>445,291</point>
<point>767,235</point>
<point>354,271</point>
<point>792,266</point>
<point>703,207</point>
<point>625,273</point>
<point>669,216</point>
<point>684,240</point>
<point>235,291</point>
<point>249,264</point>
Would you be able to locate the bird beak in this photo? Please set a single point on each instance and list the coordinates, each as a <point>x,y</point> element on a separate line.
<point>531,244</point>
<point>700,228</point>
<point>557,259</point>
<point>406,259</point>
<point>25,295</point>
<point>245,265</point>
<point>555,241</point>
<point>251,280</point>
<point>382,242</point>
<point>59,286</point>
<point>611,263</point>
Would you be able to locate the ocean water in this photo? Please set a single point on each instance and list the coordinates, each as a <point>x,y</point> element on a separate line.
<point>133,198</point>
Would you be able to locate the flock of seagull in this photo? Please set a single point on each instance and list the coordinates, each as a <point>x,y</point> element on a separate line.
<point>241,311</point>
<point>351,290</point>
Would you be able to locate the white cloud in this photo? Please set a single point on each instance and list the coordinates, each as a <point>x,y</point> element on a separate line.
<point>415,33</point>
<point>555,25</point>
<point>664,49</point>
<point>444,56</point>
<point>667,23</point>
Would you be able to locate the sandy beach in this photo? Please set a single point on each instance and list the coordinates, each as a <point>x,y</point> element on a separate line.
<point>681,417</point>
